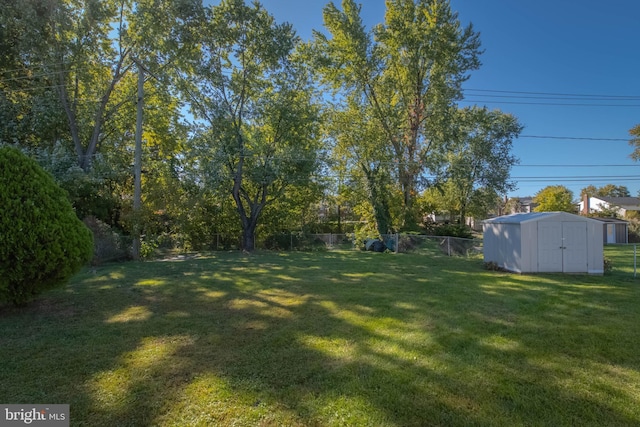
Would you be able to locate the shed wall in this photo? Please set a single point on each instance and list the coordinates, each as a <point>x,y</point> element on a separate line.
<point>502,245</point>
<point>529,243</point>
<point>514,246</point>
<point>620,232</point>
<point>595,251</point>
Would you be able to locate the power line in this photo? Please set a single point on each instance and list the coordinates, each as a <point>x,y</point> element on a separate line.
<point>631,97</point>
<point>558,98</point>
<point>578,177</point>
<point>554,104</point>
<point>36,66</point>
<point>578,166</point>
<point>573,138</point>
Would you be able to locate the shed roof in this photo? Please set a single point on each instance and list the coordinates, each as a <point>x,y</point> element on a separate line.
<point>520,218</point>
<point>611,220</point>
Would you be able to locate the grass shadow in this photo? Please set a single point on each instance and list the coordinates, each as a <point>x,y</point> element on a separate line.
<point>335,338</point>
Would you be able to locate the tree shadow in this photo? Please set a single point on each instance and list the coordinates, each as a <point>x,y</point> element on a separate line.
<point>332,338</point>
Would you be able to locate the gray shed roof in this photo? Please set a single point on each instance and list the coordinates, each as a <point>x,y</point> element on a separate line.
<point>520,218</point>
<point>611,220</point>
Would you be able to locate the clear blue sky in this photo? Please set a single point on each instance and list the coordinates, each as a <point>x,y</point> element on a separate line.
<point>573,48</point>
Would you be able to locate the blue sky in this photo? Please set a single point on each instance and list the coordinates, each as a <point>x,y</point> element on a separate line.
<point>545,47</point>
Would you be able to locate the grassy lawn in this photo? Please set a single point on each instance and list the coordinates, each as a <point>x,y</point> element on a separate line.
<point>333,338</point>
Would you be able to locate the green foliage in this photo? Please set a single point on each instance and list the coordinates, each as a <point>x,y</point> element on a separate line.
<point>294,241</point>
<point>364,232</point>
<point>452,230</point>
<point>92,193</point>
<point>42,242</point>
<point>479,162</point>
<point>554,198</point>
<point>402,80</point>
<point>148,249</point>
<point>259,137</point>
<point>634,231</point>
<point>609,190</point>
<point>108,244</point>
<point>635,142</point>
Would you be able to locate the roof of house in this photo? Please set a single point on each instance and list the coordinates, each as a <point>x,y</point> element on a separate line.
<point>621,201</point>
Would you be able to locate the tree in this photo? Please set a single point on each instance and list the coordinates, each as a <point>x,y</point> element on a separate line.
<point>42,242</point>
<point>635,142</point>
<point>554,198</point>
<point>609,190</point>
<point>407,75</point>
<point>480,160</point>
<point>258,124</point>
<point>29,110</point>
<point>359,150</point>
<point>67,97</point>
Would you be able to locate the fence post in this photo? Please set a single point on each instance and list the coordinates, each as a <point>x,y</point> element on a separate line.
<point>634,261</point>
<point>449,245</point>
<point>397,243</point>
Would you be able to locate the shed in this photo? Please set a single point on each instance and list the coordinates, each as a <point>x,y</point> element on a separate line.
<point>544,242</point>
<point>614,230</point>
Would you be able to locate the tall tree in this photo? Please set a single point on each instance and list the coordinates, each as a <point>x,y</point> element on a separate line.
<point>254,99</point>
<point>480,160</point>
<point>554,198</point>
<point>359,151</point>
<point>408,73</point>
<point>90,57</point>
<point>29,111</point>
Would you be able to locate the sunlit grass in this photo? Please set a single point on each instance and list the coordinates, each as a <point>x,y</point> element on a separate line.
<point>336,338</point>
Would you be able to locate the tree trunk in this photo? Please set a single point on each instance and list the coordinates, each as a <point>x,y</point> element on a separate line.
<point>249,237</point>
<point>379,202</point>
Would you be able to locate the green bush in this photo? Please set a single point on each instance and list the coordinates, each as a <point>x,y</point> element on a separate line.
<point>109,244</point>
<point>42,242</point>
<point>452,230</point>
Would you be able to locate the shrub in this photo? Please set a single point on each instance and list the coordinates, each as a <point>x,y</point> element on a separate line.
<point>108,243</point>
<point>42,242</point>
<point>492,266</point>
<point>452,230</point>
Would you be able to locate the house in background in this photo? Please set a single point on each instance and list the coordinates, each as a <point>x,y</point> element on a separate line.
<point>612,209</point>
<point>519,205</point>
<point>616,205</point>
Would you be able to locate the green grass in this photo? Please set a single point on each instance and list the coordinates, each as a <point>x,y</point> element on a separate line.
<point>333,338</point>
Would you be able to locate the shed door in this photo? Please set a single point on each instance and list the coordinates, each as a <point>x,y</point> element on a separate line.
<point>611,233</point>
<point>550,247</point>
<point>562,247</point>
<point>574,255</point>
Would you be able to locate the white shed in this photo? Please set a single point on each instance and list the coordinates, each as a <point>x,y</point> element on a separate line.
<point>544,242</point>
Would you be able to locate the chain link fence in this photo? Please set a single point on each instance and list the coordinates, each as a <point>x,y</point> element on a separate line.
<point>448,245</point>
<point>398,243</point>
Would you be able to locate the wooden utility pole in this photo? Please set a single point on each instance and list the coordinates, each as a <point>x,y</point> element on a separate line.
<point>137,167</point>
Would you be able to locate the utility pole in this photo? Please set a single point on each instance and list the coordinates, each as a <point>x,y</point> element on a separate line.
<point>137,167</point>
